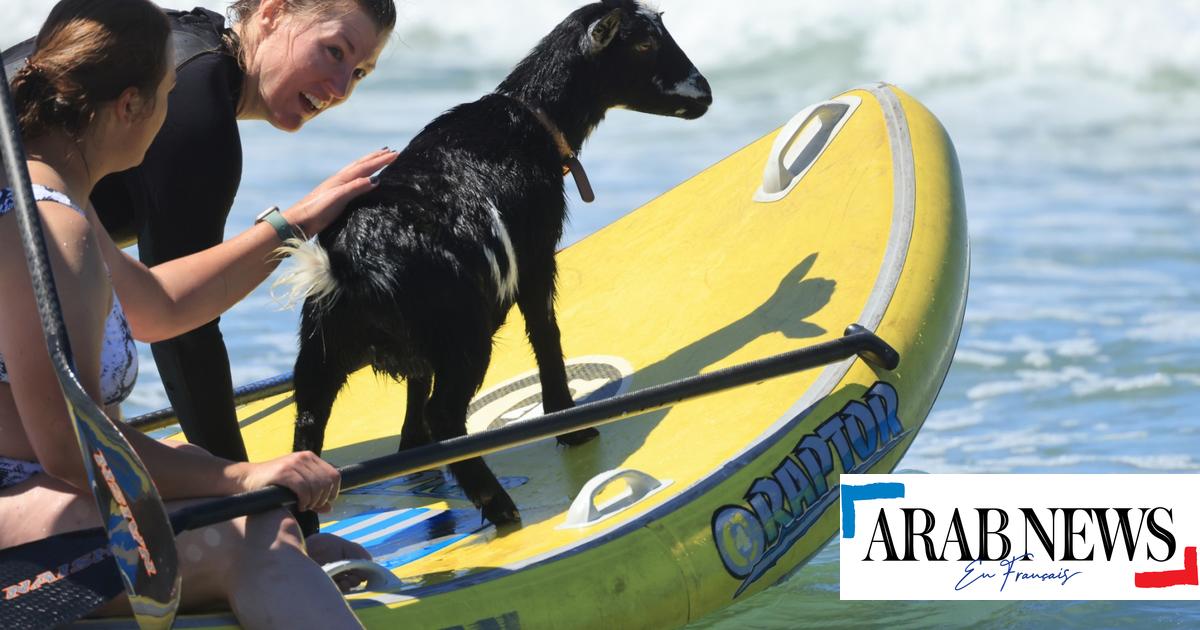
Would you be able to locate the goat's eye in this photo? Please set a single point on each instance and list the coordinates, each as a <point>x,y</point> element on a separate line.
<point>359,74</point>
<point>646,46</point>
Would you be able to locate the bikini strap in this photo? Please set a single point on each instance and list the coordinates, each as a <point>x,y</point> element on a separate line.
<point>40,193</point>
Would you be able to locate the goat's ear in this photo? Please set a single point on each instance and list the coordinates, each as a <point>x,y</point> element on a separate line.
<point>601,32</point>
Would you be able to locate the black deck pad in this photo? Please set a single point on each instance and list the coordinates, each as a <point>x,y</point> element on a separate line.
<point>54,581</point>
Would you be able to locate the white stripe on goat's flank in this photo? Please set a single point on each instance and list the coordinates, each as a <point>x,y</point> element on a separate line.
<point>506,286</point>
<point>491,258</point>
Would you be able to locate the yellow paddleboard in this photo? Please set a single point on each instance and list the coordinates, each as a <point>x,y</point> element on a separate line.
<point>852,213</point>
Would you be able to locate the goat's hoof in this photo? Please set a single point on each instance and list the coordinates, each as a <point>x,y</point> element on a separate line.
<point>575,438</point>
<point>501,511</point>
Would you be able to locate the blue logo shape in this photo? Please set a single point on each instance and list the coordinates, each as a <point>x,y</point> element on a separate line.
<point>851,494</point>
<point>781,507</point>
<point>740,538</point>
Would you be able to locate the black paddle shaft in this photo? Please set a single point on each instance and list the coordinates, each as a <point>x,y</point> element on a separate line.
<point>857,341</point>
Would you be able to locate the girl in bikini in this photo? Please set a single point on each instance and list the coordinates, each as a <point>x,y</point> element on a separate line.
<point>283,62</point>
<point>90,101</point>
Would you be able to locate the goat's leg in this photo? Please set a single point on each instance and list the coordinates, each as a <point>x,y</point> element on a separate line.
<point>322,366</point>
<point>317,383</point>
<point>446,415</point>
<point>536,301</point>
<point>317,379</point>
<point>416,429</point>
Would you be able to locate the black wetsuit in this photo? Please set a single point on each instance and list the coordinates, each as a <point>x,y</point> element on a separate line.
<point>176,204</point>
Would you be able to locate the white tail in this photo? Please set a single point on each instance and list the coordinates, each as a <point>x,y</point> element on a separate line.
<point>308,275</point>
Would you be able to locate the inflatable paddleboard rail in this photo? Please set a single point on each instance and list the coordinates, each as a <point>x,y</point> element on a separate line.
<point>857,341</point>
<point>248,393</point>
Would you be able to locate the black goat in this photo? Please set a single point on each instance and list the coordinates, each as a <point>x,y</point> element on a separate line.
<point>417,276</point>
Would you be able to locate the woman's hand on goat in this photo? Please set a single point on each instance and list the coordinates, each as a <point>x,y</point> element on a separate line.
<point>315,482</point>
<point>320,207</point>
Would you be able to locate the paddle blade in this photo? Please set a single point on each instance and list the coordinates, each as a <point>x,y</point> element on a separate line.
<point>54,581</point>
<point>140,537</point>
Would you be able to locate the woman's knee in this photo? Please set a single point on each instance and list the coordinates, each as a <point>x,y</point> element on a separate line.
<point>209,556</point>
<point>215,558</point>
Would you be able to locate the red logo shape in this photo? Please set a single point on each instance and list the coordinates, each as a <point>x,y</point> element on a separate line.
<point>1188,575</point>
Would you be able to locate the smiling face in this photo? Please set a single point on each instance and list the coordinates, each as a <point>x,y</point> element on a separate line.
<point>303,64</point>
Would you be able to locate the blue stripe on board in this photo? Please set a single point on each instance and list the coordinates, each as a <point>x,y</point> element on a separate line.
<point>412,542</point>
<point>417,554</point>
<point>396,516</point>
<point>428,536</point>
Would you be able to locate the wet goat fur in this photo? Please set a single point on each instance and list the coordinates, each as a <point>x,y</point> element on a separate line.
<point>465,223</point>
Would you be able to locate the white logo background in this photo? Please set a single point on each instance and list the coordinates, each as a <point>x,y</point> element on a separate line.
<point>1043,576</point>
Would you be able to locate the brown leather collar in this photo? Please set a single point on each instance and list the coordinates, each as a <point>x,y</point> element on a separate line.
<point>571,162</point>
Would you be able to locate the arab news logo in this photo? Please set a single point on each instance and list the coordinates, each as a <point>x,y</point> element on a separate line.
<point>1032,530</point>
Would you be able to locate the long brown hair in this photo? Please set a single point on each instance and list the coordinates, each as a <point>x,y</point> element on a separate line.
<point>87,53</point>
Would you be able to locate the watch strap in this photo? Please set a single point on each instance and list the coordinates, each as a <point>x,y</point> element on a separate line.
<point>284,229</point>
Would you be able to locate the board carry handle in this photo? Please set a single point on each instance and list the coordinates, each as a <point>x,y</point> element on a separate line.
<point>584,512</point>
<point>800,142</point>
<point>379,577</point>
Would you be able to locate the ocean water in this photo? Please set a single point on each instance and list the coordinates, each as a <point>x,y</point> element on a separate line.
<point>1077,124</point>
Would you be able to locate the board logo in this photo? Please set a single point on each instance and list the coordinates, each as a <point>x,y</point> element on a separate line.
<point>590,378</point>
<point>778,509</point>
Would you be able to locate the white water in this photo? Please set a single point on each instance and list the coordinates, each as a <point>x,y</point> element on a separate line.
<point>911,43</point>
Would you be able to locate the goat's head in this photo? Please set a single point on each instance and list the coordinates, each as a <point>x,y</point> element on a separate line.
<point>639,63</point>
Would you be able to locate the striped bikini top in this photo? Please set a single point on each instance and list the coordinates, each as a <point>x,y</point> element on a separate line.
<point>118,359</point>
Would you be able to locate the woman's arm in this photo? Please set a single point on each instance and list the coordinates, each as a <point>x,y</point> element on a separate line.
<point>85,296</point>
<point>83,292</point>
<point>167,300</point>
<point>190,473</point>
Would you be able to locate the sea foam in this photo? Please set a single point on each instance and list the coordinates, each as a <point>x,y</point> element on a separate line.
<point>924,43</point>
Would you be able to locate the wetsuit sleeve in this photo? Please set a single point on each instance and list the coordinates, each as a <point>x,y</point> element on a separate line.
<point>180,198</point>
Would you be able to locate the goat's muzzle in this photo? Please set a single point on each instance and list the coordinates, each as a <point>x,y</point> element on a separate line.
<point>698,106</point>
